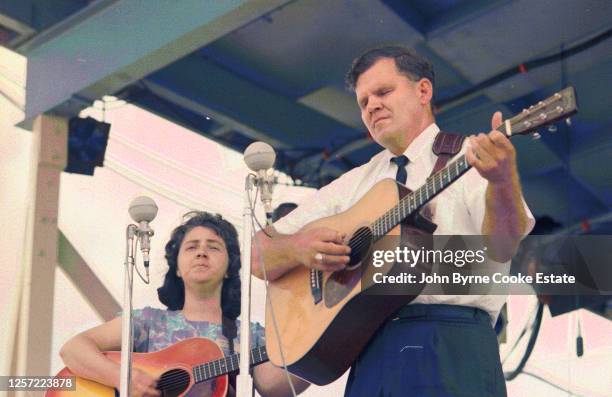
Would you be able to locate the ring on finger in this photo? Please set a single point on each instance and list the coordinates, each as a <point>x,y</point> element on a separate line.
<point>319,257</point>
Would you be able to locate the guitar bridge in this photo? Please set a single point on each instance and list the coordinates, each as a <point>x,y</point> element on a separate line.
<point>316,280</point>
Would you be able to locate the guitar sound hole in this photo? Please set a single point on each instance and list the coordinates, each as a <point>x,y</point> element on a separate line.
<point>174,382</point>
<point>360,244</point>
<point>341,283</point>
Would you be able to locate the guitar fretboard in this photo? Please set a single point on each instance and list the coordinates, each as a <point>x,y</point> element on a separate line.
<point>434,184</point>
<point>226,365</point>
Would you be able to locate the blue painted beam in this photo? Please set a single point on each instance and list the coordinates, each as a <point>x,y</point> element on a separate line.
<point>408,13</point>
<point>126,41</point>
<point>254,111</point>
<point>462,14</point>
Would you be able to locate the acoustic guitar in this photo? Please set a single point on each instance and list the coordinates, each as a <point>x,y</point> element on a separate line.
<point>326,318</point>
<point>193,367</point>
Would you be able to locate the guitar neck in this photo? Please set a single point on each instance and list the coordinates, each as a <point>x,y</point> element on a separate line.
<point>433,186</point>
<point>560,105</point>
<point>227,364</point>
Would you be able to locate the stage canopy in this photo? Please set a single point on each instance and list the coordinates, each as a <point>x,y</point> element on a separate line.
<point>272,70</point>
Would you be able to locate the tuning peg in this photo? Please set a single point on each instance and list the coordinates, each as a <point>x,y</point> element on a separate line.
<point>552,128</point>
<point>535,136</point>
<point>568,121</point>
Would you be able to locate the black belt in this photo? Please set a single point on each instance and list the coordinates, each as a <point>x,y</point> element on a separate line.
<point>434,311</point>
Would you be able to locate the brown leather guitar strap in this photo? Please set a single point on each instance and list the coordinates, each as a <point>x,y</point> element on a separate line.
<point>445,146</point>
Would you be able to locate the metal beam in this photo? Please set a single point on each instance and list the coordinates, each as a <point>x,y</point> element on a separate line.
<point>231,123</point>
<point>247,107</point>
<point>24,31</point>
<point>463,14</point>
<point>221,131</point>
<point>327,168</point>
<point>350,147</point>
<point>126,41</point>
<point>60,26</point>
<point>408,13</point>
<point>86,281</point>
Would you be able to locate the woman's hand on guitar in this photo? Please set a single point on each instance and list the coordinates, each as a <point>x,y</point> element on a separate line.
<point>144,384</point>
<point>321,248</point>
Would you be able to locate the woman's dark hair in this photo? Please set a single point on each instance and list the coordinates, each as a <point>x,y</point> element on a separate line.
<point>407,62</point>
<point>172,292</point>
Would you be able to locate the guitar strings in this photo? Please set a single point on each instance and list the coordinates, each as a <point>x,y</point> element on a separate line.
<point>175,381</point>
<point>388,216</point>
<point>179,376</point>
<point>394,216</point>
<point>429,185</point>
<point>360,236</point>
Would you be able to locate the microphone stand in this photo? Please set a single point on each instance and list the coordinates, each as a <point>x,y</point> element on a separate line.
<point>244,381</point>
<point>258,156</point>
<point>126,316</point>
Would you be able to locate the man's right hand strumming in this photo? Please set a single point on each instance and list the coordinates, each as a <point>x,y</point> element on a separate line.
<point>321,248</point>
<point>317,248</point>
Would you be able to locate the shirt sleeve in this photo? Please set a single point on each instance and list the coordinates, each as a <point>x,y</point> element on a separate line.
<point>316,206</point>
<point>329,200</point>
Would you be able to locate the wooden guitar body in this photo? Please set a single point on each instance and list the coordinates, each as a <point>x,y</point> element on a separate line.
<point>174,365</point>
<point>321,340</point>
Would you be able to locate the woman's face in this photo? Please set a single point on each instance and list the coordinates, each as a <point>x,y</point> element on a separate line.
<point>202,258</point>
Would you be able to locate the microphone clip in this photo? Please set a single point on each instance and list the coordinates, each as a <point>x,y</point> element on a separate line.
<point>265,182</point>
<point>144,233</point>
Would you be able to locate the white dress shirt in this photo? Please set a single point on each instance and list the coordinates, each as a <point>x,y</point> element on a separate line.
<point>458,210</point>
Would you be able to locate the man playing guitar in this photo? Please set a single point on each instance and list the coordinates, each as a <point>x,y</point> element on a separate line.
<point>439,345</point>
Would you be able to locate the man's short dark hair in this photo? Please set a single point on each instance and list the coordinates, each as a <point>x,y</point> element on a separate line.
<point>407,62</point>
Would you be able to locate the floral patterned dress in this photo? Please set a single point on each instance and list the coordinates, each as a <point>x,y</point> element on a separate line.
<point>156,329</point>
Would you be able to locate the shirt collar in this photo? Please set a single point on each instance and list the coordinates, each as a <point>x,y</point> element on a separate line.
<point>420,145</point>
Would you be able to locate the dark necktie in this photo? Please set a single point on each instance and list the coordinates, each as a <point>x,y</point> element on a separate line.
<point>401,162</point>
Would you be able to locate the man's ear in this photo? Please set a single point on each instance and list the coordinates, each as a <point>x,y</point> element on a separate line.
<point>425,89</point>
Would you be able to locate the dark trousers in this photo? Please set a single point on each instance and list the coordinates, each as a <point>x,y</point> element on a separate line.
<point>430,351</point>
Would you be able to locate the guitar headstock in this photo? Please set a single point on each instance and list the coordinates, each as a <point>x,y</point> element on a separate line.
<point>558,106</point>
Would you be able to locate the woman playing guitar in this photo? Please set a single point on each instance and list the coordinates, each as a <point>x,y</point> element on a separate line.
<point>202,293</point>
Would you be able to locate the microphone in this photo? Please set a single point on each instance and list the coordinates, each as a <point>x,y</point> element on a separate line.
<point>143,210</point>
<point>259,157</point>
